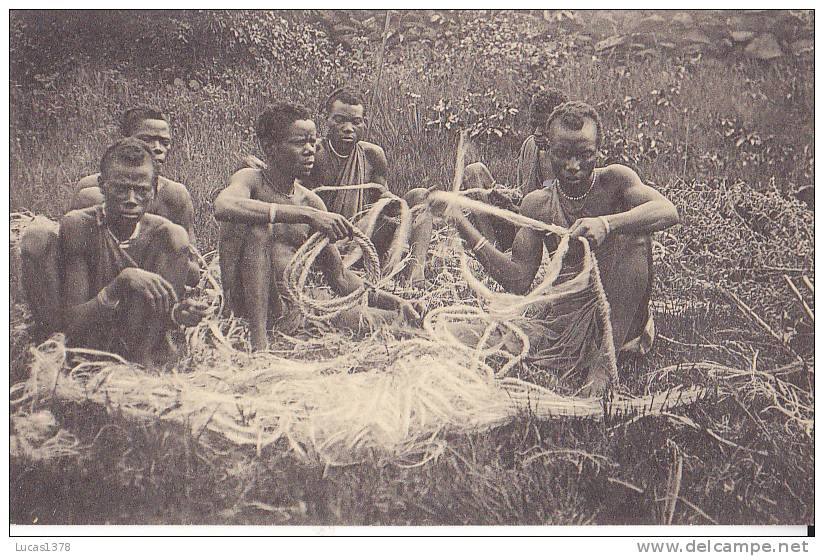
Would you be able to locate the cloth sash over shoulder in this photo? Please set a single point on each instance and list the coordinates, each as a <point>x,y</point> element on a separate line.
<point>528,175</point>
<point>348,203</point>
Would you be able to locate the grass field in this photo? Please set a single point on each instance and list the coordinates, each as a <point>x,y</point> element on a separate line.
<point>729,143</point>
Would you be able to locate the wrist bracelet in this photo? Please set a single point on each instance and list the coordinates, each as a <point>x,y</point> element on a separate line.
<point>480,245</point>
<point>107,300</point>
<point>605,222</point>
<point>273,210</point>
<point>173,317</point>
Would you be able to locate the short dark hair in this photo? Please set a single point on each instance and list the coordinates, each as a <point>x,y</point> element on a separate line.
<point>346,96</point>
<point>543,103</point>
<point>133,116</point>
<point>272,123</point>
<point>129,152</point>
<point>572,115</point>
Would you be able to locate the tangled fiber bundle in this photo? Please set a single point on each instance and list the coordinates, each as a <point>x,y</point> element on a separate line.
<point>567,313</point>
<point>335,399</point>
<point>36,436</point>
<point>396,409</point>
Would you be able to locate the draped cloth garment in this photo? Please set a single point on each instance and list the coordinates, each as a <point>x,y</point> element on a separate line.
<point>625,264</point>
<point>349,203</point>
<point>528,174</point>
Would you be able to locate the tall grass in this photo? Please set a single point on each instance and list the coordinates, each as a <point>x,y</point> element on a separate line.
<point>528,472</point>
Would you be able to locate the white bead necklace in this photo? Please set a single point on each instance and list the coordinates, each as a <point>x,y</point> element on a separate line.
<point>336,153</point>
<point>579,197</point>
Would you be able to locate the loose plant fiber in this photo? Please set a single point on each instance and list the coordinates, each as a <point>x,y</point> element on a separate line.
<point>397,408</point>
<point>331,398</point>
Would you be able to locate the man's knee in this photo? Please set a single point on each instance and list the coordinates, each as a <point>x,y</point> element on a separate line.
<point>477,175</point>
<point>37,242</point>
<point>416,196</point>
<point>259,233</point>
<point>175,237</point>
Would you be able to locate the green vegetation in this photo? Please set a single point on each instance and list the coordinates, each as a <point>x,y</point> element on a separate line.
<point>726,135</point>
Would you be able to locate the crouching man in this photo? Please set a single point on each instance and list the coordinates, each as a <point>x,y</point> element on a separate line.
<point>267,215</point>
<point>123,270</point>
<point>608,206</point>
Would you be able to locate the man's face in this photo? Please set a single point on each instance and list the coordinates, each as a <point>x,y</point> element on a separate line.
<point>128,190</point>
<point>157,135</point>
<point>572,153</point>
<point>295,155</point>
<point>346,124</point>
<point>538,122</point>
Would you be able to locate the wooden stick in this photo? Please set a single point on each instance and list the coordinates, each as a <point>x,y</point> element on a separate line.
<point>673,483</point>
<point>750,313</point>
<point>801,299</point>
<point>808,284</point>
<point>380,70</point>
<point>459,161</point>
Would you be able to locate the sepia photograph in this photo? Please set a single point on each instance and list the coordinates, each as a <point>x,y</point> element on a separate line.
<point>386,267</point>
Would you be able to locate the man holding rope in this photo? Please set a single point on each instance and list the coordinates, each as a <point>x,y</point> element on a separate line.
<point>123,269</point>
<point>268,215</point>
<point>609,206</point>
<point>342,160</point>
<point>533,170</point>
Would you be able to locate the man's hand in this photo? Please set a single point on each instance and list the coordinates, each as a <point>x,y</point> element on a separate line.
<point>189,312</point>
<point>380,188</point>
<point>158,293</point>
<point>593,229</point>
<point>440,207</point>
<point>497,198</point>
<point>333,225</point>
<point>407,312</point>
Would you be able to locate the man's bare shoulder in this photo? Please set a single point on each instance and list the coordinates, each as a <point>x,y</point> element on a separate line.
<point>88,181</point>
<point>249,177</point>
<point>312,199</point>
<point>172,190</point>
<point>154,223</point>
<point>372,151</point>
<point>619,174</point>
<point>76,227</point>
<point>87,197</point>
<point>533,204</point>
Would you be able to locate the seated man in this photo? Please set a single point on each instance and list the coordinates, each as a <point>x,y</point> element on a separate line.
<point>39,241</point>
<point>268,215</point>
<point>173,200</point>
<point>342,158</point>
<point>608,206</point>
<point>123,270</point>
<point>532,172</point>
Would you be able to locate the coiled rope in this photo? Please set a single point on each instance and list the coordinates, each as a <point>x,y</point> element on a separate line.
<point>297,272</point>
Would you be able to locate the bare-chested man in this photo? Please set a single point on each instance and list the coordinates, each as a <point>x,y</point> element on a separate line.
<point>38,245</point>
<point>122,269</point>
<point>268,215</point>
<point>609,206</point>
<point>173,200</point>
<point>533,170</point>
<point>343,158</point>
